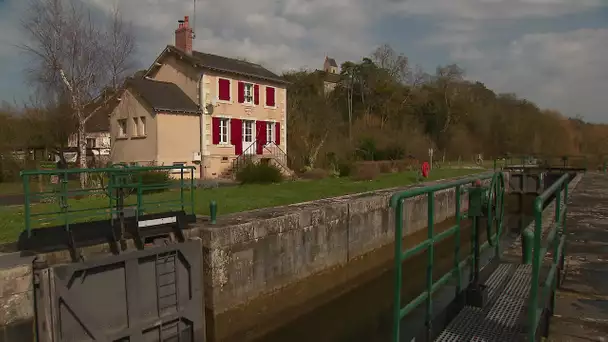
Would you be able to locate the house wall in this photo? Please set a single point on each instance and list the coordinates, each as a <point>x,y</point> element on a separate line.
<point>219,158</point>
<point>178,139</point>
<point>131,148</point>
<point>184,76</point>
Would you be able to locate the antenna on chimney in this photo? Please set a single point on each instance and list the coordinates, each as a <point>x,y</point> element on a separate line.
<point>194,21</point>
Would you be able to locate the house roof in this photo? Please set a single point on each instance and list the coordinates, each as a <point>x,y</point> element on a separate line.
<point>104,105</point>
<point>332,62</point>
<point>163,96</point>
<point>224,64</point>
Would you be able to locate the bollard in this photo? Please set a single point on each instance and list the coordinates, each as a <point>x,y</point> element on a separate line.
<point>527,246</point>
<point>213,212</point>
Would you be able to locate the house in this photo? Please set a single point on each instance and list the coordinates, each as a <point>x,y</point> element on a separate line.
<point>331,74</point>
<point>199,109</point>
<point>97,129</point>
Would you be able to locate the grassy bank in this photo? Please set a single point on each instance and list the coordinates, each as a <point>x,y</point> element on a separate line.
<point>229,199</point>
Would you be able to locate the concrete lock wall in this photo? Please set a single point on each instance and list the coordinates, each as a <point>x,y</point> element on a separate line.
<point>16,298</point>
<point>248,254</point>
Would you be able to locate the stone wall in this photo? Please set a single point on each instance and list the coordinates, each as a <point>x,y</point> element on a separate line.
<point>16,299</point>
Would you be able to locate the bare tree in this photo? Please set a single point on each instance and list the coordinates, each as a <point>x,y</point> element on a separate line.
<point>73,55</point>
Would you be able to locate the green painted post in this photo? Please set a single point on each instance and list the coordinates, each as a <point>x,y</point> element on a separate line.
<point>398,270</point>
<point>457,241</point>
<point>527,243</point>
<point>536,263</point>
<point>26,209</point>
<point>604,167</point>
<point>140,196</point>
<point>181,186</point>
<point>192,191</point>
<point>213,212</point>
<point>429,262</point>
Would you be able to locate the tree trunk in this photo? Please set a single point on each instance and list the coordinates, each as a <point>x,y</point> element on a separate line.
<point>82,152</point>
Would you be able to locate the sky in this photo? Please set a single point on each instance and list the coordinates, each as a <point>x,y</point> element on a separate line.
<point>551,52</point>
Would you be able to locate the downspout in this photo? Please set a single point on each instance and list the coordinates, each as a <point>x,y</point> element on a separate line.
<point>201,98</point>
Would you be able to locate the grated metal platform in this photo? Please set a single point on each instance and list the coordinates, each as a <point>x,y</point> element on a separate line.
<point>502,319</point>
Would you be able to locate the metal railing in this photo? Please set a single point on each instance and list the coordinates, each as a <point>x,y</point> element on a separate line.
<point>428,246</point>
<point>555,239</point>
<point>543,161</point>
<point>61,201</point>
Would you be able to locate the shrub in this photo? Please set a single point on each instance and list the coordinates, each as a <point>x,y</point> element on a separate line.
<point>366,171</point>
<point>345,169</point>
<point>155,178</point>
<point>259,173</point>
<point>315,174</point>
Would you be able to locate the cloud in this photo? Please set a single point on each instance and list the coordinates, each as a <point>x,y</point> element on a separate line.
<point>492,9</point>
<point>280,34</point>
<point>566,70</point>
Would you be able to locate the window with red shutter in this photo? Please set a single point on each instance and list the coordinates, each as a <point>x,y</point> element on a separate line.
<point>256,94</point>
<point>260,128</point>
<point>270,94</point>
<point>223,86</point>
<point>236,135</point>
<point>277,133</point>
<point>241,94</point>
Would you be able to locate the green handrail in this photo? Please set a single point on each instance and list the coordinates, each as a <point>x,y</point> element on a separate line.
<point>555,239</point>
<point>396,202</point>
<point>121,180</point>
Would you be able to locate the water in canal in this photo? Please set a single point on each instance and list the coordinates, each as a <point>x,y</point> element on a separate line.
<point>364,313</point>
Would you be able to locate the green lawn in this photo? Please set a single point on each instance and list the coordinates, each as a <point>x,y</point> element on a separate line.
<point>229,199</point>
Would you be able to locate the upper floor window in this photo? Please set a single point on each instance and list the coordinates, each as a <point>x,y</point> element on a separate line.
<point>135,128</point>
<point>122,127</point>
<point>142,126</point>
<point>249,93</point>
<point>270,97</point>
<point>223,89</point>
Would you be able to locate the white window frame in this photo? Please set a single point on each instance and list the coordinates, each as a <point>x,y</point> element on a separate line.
<point>217,89</point>
<point>270,132</point>
<point>142,126</point>
<point>224,131</point>
<point>266,98</point>
<point>122,127</point>
<point>135,127</point>
<point>248,93</point>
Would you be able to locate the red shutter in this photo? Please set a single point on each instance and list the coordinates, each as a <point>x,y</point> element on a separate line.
<point>236,135</point>
<point>270,97</point>
<point>241,92</point>
<point>277,133</point>
<point>224,89</point>
<point>215,130</point>
<point>260,136</point>
<point>256,94</point>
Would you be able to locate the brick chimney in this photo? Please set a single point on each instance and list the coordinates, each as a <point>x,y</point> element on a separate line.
<point>183,36</point>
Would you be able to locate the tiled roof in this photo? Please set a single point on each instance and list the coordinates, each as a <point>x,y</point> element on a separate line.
<point>232,65</point>
<point>332,62</point>
<point>163,96</point>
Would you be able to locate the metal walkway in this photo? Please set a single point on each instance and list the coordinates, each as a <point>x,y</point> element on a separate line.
<point>500,320</point>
